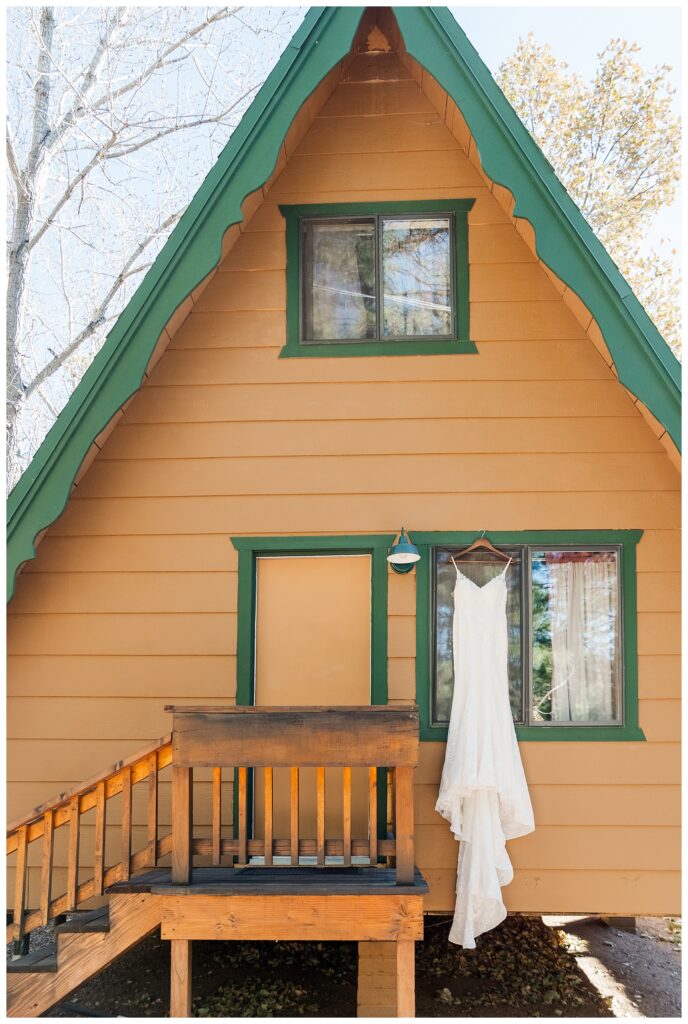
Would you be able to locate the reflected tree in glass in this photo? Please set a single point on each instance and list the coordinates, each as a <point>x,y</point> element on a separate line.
<point>416,277</point>
<point>339,280</point>
<point>575,602</point>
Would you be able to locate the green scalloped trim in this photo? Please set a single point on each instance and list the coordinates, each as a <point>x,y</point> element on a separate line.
<point>644,362</point>
<point>564,240</point>
<point>190,253</point>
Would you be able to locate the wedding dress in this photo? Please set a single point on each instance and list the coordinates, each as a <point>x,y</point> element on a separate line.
<point>483,793</point>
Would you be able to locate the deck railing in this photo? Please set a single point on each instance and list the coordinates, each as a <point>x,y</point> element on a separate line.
<point>233,741</point>
<point>245,739</point>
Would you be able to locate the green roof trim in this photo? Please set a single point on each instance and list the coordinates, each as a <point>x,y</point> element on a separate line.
<point>190,253</point>
<point>565,242</point>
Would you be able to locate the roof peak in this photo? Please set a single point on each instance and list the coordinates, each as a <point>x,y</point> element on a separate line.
<point>327,36</point>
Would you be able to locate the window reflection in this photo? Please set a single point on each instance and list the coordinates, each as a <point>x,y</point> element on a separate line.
<point>339,279</point>
<point>377,278</point>
<point>573,618</point>
<point>575,611</point>
<point>416,277</point>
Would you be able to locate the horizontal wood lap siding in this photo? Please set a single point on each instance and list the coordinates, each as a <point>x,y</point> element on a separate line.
<point>131,600</point>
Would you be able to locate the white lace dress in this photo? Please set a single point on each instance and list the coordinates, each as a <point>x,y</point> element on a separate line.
<point>483,793</point>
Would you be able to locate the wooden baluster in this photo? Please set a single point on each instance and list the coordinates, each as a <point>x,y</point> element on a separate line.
<point>320,816</point>
<point>294,819</point>
<point>99,852</point>
<point>403,805</point>
<point>46,866</point>
<point>268,816</point>
<point>390,824</point>
<point>243,841</point>
<point>346,833</point>
<point>73,859</point>
<point>217,815</point>
<point>126,824</point>
<point>372,814</point>
<point>153,810</point>
<point>20,885</point>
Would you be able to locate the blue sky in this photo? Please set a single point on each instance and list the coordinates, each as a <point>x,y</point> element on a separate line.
<point>577,35</point>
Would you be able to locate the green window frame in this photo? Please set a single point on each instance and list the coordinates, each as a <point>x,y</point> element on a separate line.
<point>624,540</point>
<point>249,549</point>
<point>460,343</point>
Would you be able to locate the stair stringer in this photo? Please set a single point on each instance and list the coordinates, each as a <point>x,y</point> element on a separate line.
<point>80,956</point>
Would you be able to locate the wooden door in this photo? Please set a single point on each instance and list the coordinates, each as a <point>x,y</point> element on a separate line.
<point>313,646</point>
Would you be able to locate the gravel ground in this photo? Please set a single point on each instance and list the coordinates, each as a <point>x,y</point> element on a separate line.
<point>39,937</point>
<point>528,967</point>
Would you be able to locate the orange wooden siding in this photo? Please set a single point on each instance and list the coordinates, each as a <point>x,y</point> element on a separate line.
<point>131,600</point>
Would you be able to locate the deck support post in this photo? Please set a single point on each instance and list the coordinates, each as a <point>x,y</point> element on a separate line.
<point>406,978</point>
<point>386,979</point>
<point>180,978</point>
<point>182,822</point>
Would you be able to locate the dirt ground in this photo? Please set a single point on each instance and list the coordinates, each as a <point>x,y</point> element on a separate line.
<point>528,967</point>
<point>638,974</point>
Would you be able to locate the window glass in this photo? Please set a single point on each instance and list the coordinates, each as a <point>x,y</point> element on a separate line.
<point>575,630</point>
<point>377,278</point>
<point>480,567</point>
<point>416,277</point>
<point>339,280</point>
<point>572,616</point>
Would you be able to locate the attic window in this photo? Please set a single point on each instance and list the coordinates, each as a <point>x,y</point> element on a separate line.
<point>377,279</point>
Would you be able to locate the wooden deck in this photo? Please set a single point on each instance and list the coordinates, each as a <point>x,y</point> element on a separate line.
<point>288,881</point>
<point>292,887</point>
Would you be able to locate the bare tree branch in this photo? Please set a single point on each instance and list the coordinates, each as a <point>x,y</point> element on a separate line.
<point>114,117</point>
<point>164,132</point>
<point>97,316</point>
<point>12,164</point>
<point>160,62</point>
<point>69,191</point>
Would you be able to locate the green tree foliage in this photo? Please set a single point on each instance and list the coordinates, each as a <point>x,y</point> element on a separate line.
<point>615,144</point>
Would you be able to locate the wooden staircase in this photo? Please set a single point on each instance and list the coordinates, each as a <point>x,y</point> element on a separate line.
<point>91,940</point>
<point>275,887</point>
<point>84,947</point>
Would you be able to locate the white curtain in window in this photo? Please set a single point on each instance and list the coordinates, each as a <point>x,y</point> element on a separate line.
<point>582,603</point>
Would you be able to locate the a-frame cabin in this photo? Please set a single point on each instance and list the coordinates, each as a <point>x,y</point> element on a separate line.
<point>381,308</point>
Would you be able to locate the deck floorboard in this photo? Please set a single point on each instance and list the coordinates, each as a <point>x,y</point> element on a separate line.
<point>288,881</point>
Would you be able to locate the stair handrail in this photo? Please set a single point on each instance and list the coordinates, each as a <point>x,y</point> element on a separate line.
<point>242,739</point>
<point>66,808</point>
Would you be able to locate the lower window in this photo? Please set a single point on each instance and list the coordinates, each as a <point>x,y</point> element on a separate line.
<point>572,657</point>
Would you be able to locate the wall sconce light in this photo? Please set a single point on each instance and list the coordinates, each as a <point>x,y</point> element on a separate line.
<point>403,555</point>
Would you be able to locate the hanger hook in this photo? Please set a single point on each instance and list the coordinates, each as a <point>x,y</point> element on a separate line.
<point>482,534</point>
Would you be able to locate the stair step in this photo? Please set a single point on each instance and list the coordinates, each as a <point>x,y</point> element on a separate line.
<point>87,921</point>
<point>42,960</point>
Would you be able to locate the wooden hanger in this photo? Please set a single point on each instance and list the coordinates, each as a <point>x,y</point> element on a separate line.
<point>483,544</point>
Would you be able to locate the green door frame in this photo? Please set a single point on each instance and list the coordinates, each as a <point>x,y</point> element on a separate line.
<point>250,549</point>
